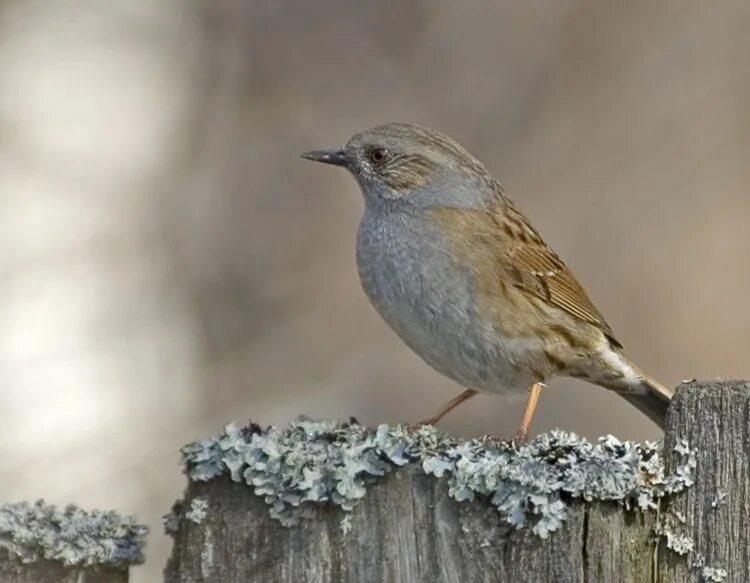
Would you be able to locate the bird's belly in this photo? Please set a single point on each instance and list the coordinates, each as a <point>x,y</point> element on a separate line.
<point>430,301</point>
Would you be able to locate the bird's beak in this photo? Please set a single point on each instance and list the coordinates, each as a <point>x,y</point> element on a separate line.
<point>335,157</point>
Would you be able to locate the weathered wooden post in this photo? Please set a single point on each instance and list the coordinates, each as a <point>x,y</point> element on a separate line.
<point>41,544</point>
<point>714,513</point>
<point>450,511</point>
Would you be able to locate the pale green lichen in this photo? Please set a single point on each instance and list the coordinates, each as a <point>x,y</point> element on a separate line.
<point>346,524</point>
<point>198,510</point>
<point>329,461</point>
<point>172,521</point>
<point>679,543</point>
<point>714,574</point>
<point>719,499</point>
<point>708,573</point>
<point>683,545</point>
<point>38,531</point>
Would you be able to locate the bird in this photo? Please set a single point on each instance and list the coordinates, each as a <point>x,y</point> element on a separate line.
<point>464,279</point>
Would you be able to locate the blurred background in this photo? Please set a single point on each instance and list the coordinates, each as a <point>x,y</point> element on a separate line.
<point>169,264</point>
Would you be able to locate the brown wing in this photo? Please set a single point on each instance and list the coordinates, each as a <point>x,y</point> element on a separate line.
<point>538,270</point>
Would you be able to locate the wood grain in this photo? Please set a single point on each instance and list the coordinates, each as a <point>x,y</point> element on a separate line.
<point>408,530</point>
<point>715,419</point>
<point>13,570</point>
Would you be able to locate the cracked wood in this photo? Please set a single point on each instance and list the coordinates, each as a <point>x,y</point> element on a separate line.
<point>408,530</point>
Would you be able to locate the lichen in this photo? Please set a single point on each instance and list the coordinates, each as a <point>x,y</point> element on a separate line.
<point>73,536</point>
<point>708,573</point>
<point>714,574</point>
<point>171,522</point>
<point>719,499</point>
<point>346,524</point>
<point>679,543</point>
<point>670,523</point>
<point>198,510</point>
<point>331,461</point>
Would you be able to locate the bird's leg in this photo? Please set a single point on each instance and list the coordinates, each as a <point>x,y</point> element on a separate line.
<point>534,392</point>
<point>449,406</point>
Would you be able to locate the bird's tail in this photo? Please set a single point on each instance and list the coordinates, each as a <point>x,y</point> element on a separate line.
<point>650,397</point>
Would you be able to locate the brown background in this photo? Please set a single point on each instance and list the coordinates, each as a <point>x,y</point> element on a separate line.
<point>169,264</point>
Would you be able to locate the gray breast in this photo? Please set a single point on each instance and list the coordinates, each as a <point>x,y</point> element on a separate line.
<point>429,299</point>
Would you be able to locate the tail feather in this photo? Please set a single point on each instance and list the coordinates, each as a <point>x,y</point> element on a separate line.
<point>650,397</point>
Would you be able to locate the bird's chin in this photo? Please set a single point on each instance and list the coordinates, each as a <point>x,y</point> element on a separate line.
<point>385,195</point>
<point>372,188</point>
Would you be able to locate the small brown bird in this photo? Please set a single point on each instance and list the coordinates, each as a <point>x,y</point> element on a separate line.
<point>463,278</point>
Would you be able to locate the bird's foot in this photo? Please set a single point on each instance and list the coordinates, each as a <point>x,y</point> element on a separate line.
<point>521,437</point>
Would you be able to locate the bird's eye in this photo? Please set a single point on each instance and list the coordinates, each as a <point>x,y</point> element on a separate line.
<point>378,155</point>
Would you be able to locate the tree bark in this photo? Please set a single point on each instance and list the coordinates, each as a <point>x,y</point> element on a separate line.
<point>407,529</point>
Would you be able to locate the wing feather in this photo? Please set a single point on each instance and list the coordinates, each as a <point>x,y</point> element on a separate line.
<point>539,271</point>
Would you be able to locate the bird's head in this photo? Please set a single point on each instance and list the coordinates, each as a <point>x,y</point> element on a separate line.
<point>412,164</point>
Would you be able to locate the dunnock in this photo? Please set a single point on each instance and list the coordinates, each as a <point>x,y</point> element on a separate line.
<point>464,279</point>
